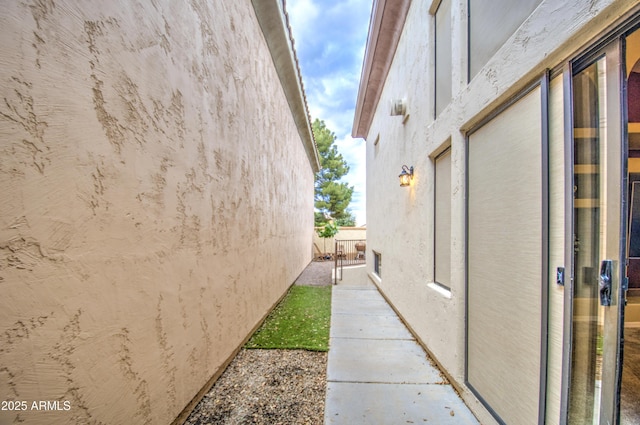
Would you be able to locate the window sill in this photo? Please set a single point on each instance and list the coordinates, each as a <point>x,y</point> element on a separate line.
<point>446,293</point>
<point>375,278</point>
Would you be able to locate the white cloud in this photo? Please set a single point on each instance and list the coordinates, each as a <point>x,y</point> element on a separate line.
<point>354,152</point>
<point>330,38</point>
<point>303,13</point>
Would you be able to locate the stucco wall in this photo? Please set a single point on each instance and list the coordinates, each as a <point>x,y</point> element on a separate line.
<point>156,202</point>
<point>400,229</point>
<point>400,219</point>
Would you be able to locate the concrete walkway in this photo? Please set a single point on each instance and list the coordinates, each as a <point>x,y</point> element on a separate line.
<point>377,373</point>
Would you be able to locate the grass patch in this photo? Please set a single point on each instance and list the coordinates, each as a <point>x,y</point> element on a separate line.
<point>300,321</point>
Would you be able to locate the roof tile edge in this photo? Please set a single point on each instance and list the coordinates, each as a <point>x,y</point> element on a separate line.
<point>274,23</point>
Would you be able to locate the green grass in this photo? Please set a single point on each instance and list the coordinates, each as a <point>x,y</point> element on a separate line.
<point>300,321</point>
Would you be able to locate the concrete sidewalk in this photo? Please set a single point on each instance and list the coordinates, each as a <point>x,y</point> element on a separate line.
<point>377,373</point>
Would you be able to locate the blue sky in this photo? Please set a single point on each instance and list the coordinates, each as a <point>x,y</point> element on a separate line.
<point>330,38</point>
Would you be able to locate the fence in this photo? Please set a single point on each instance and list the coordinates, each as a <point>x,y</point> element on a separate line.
<point>348,253</point>
<point>322,248</point>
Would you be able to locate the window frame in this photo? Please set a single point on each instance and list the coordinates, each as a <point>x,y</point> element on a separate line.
<point>439,104</point>
<point>446,151</point>
<point>377,263</point>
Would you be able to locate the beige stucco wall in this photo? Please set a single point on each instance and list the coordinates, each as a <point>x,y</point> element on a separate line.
<point>156,202</point>
<point>400,220</point>
<point>344,233</point>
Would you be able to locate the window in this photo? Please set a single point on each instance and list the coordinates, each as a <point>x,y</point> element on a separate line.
<point>491,23</point>
<point>505,260</point>
<point>377,263</point>
<point>443,56</point>
<point>442,219</point>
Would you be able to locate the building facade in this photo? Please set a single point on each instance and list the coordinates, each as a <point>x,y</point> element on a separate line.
<point>508,253</point>
<point>156,175</point>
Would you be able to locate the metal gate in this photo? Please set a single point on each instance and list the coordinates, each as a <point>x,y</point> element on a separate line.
<point>348,253</point>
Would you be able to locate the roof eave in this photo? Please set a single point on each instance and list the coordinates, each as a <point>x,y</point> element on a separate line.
<point>274,23</point>
<point>385,29</point>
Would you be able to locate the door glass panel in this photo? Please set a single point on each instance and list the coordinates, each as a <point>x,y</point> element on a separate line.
<point>630,392</point>
<point>589,135</point>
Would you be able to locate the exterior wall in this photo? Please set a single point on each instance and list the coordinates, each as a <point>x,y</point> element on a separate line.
<point>157,201</point>
<point>400,220</point>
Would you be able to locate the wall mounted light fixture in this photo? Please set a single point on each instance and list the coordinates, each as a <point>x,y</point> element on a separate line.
<point>398,107</point>
<point>406,175</point>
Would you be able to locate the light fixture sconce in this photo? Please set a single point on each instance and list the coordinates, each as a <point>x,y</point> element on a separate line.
<point>399,107</point>
<point>406,175</point>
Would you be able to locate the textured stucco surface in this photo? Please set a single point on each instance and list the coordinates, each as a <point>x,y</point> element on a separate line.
<point>156,202</point>
<point>400,220</point>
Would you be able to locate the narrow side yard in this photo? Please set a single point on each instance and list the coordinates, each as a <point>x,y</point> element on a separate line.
<point>279,377</point>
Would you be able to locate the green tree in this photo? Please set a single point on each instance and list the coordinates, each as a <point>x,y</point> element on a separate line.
<point>332,196</point>
<point>347,221</point>
<point>329,230</point>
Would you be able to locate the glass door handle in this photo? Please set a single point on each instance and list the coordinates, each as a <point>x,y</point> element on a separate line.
<point>606,267</point>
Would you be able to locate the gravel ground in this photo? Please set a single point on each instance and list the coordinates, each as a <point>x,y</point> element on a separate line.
<point>317,273</point>
<point>267,387</point>
<point>270,386</point>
